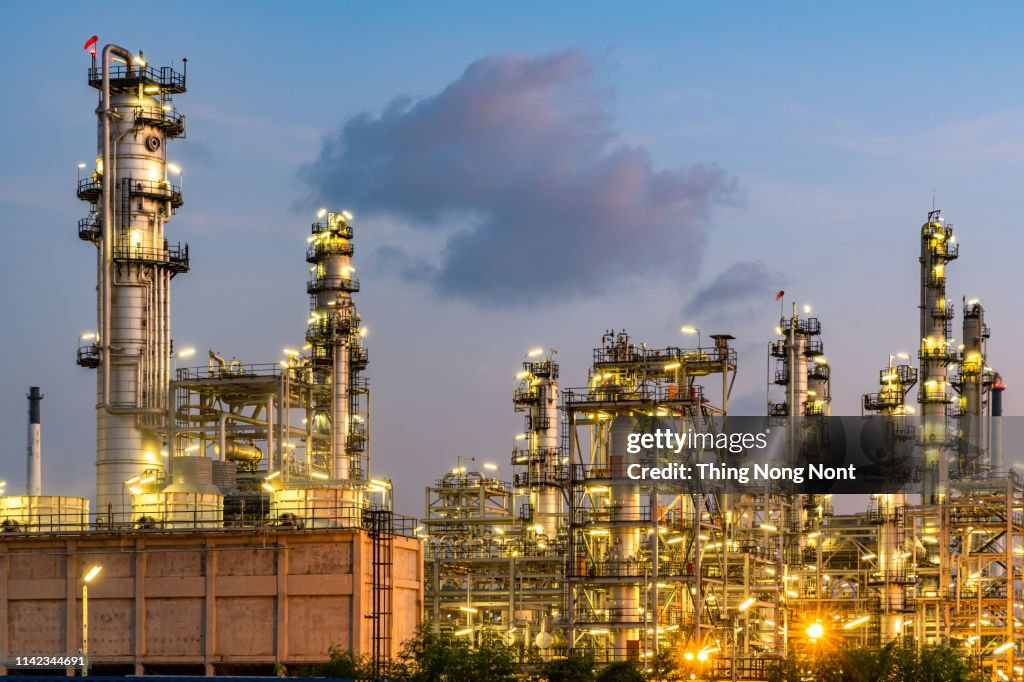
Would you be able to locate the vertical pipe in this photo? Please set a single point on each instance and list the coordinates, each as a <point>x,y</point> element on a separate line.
<point>34,475</point>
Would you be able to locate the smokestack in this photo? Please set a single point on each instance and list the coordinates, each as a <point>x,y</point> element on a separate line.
<point>996,428</point>
<point>35,463</point>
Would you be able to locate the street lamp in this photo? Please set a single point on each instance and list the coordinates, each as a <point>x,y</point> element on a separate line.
<point>86,579</point>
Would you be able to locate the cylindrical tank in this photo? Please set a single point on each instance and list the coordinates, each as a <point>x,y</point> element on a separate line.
<point>178,509</point>
<point>327,507</point>
<point>43,514</point>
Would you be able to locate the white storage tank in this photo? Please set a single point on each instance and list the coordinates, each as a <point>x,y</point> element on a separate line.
<point>43,514</point>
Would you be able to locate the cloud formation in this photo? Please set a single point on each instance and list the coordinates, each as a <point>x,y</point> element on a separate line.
<point>734,291</point>
<point>522,150</point>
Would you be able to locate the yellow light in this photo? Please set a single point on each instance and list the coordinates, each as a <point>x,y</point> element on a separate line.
<point>321,213</point>
<point>186,352</point>
<point>688,655</point>
<point>147,479</point>
<point>460,633</point>
<point>133,479</point>
<point>702,655</point>
<point>380,482</point>
<point>291,352</point>
<point>467,609</point>
<point>807,310</point>
<point>854,623</point>
<point>535,352</point>
<point>747,604</point>
<point>1003,647</point>
<point>674,541</point>
<point>363,331</point>
<point>272,476</point>
<point>319,475</point>
<point>522,375</point>
<point>133,490</point>
<point>688,330</point>
<point>778,331</point>
<point>673,365</point>
<point>598,531</point>
<point>152,89</point>
<point>815,630</point>
<point>269,488</point>
<point>191,448</point>
<point>769,527</point>
<point>520,436</point>
<point>81,165</point>
<point>491,466</point>
<point>791,593</point>
<point>174,168</point>
<point>93,572</point>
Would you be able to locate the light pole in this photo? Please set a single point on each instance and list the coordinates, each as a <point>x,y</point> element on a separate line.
<point>86,579</point>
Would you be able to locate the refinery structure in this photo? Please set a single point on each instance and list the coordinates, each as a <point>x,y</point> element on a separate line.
<point>226,493</point>
<point>572,554</point>
<point>231,493</point>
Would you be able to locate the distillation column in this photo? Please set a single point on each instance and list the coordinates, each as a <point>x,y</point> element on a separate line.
<point>938,248</point>
<point>132,200</point>
<point>337,355</point>
<point>973,380</point>
<point>895,382</point>
<point>536,392</point>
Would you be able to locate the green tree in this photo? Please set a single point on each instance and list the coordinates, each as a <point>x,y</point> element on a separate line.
<point>433,657</point>
<point>622,671</point>
<point>575,668</point>
<point>341,664</point>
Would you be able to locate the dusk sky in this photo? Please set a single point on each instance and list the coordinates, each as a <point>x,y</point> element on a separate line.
<point>522,175</point>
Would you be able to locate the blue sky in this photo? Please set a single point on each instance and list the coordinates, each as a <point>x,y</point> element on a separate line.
<point>836,121</point>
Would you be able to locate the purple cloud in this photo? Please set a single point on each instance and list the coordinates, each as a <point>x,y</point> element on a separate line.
<point>523,146</point>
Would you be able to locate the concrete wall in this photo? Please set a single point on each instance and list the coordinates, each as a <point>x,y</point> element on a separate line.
<point>213,602</point>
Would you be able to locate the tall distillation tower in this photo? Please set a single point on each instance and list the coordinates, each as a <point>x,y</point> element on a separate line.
<point>338,447</point>
<point>938,248</point>
<point>131,201</point>
<point>536,393</point>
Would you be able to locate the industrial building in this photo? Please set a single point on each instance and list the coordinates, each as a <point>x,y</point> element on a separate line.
<point>574,555</point>
<point>238,528</point>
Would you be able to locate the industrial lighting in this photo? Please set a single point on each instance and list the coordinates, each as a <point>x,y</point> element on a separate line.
<point>815,630</point>
<point>535,352</point>
<point>460,633</point>
<point>174,168</point>
<point>134,491</point>
<point>88,336</point>
<point>598,531</point>
<point>81,165</point>
<point>147,479</point>
<point>769,527</point>
<point>321,213</point>
<point>191,448</point>
<point>807,310</point>
<point>1003,647</point>
<point>291,352</point>
<point>468,609</point>
<point>272,476</point>
<point>520,436</point>
<point>869,556</point>
<point>522,375</point>
<point>675,540</point>
<point>821,360</point>
<point>133,479</point>
<point>363,331</point>
<point>269,488</point>
<point>746,604</point>
<point>93,572</point>
<point>854,623</point>
<point>380,482</point>
<point>319,475</point>
<point>491,466</point>
<point>673,365</point>
<point>186,352</point>
<point>903,356</point>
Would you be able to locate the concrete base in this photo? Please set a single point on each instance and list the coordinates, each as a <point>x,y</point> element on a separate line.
<point>205,602</point>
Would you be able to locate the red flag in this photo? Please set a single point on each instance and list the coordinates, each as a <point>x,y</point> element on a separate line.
<point>778,296</point>
<point>90,44</point>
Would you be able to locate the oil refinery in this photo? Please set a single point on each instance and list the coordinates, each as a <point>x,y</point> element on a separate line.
<point>229,492</point>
